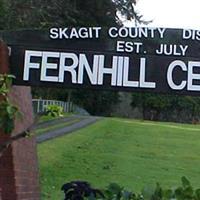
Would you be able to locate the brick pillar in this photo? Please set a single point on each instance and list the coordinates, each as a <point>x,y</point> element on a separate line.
<point>18,165</point>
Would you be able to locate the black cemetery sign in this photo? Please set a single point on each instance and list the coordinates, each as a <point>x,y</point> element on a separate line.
<point>156,60</point>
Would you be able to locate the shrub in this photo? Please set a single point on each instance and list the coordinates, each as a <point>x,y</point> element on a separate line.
<point>83,191</point>
<point>54,110</point>
<point>79,190</point>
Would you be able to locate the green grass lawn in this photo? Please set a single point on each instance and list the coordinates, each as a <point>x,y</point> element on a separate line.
<point>129,152</point>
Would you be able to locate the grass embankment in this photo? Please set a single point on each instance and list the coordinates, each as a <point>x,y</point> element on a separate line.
<point>45,118</point>
<point>129,152</point>
<point>40,131</point>
<point>57,124</point>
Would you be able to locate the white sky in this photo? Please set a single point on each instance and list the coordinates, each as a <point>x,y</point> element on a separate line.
<point>171,13</point>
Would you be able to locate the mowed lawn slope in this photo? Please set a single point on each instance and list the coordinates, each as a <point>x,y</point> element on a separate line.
<point>129,152</point>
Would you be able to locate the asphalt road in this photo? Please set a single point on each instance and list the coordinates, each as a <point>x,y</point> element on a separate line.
<point>84,121</point>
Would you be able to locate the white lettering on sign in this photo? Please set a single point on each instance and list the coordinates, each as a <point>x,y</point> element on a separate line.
<point>170,49</point>
<point>28,64</point>
<point>143,83</point>
<point>85,65</point>
<point>73,68</point>
<point>191,34</point>
<point>137,32</point>
<point>107,70</point>
<point>126,81</point>
<point>46,66</point>
<point>79,66</point>
<point>191,76</point>
<point>170,80</point>
<point>68,68</point>
<point>123,46</point>
<point>83,32</point>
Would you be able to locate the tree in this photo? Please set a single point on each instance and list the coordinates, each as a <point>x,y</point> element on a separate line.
<point>96,102</point>
<point>153,105</point>
<point>126,8</point>
<point>47,13</point>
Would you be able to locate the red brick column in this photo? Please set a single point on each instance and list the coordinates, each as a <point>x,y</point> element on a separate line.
<point>18,165</point>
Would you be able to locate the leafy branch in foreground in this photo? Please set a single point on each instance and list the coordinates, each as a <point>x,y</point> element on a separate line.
<point>8,113</point>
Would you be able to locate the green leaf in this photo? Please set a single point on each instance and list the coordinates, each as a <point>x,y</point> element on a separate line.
<point>168,194</point>
<point>8,126</point>
<point>9,109</point>
<point>197,193</point>
<point>188,192</point>
<point>126,195</point>
<point>115,188</point>
<point>185,182</point>
<point>10,76</point>
<point>179,193</point>
<point>148,192</point>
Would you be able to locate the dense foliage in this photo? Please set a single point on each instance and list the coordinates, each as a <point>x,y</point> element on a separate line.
<point>46,13</point>
<point>96,102</point>
<point>54,111</point>
<point>78,190</point>
<point>168,107</point>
